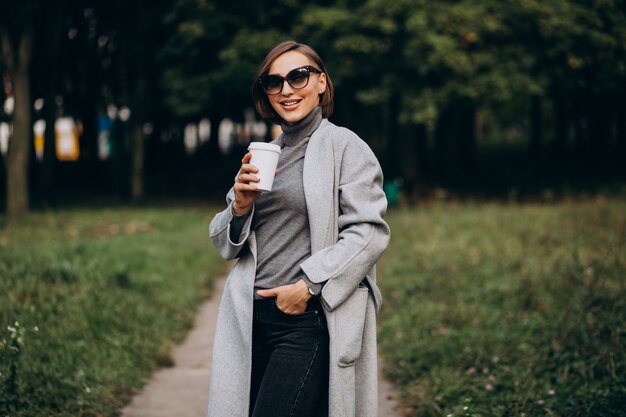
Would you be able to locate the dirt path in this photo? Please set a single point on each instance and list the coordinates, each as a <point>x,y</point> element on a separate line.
<point>182,389</point>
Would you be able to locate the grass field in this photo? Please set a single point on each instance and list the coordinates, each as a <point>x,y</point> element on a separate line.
<point>507,310</point>
<point>91,301</point>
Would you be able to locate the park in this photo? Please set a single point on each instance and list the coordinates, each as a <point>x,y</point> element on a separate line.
<point>501,131</point>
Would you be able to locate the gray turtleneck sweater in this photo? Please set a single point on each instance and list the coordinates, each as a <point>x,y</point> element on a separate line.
<point>281,222</point>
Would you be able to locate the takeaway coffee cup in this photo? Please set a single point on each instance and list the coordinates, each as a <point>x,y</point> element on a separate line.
<point>265,158</point>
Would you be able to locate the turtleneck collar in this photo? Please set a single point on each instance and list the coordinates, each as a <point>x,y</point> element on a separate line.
<point>295,133</point>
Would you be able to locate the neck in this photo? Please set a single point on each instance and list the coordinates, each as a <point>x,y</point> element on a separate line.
<point>295,133</point>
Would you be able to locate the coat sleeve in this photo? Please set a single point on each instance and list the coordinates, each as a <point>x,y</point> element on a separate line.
<point>363,234</point>
<point>220,230</point>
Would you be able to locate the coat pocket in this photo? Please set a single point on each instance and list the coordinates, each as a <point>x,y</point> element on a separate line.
<point>349,326</point>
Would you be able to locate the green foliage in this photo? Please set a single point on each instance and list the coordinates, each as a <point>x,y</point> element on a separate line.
<point>424,82</point>
<point>240,60</point>
<point>92,301</point>
<point>214,49</point>
<point>520,309</point>
<point>189,55</point>
<point>433,51</point>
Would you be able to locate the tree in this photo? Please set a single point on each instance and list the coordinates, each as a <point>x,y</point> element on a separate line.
<point>136,29</point>
<point>16,31</point>
<point>412,76</point>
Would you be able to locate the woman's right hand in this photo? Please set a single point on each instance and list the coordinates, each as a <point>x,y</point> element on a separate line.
<point>246,192</point>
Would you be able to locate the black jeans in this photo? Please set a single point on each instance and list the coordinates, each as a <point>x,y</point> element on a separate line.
<point>289,362</point>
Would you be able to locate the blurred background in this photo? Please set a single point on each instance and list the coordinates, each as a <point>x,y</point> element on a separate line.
<point>501,129</point>
<point>126,101</point>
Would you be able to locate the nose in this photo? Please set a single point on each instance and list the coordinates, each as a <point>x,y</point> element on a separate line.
<point>287,90</point>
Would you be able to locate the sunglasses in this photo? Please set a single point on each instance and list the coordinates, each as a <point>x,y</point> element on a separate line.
<point>297,78</point>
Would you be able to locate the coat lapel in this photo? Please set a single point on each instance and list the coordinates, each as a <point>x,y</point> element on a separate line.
<point>318,179</point>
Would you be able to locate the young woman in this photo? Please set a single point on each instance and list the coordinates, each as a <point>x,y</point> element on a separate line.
<point>296,332</point>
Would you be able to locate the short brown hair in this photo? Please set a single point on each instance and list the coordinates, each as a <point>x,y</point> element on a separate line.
<point>261,101</point>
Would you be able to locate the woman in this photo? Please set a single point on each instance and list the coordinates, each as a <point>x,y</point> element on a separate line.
<point>296,332</point>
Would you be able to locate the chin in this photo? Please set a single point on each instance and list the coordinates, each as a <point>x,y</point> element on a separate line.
<point>293,118</point>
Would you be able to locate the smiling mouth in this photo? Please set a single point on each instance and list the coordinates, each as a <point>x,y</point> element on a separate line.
<point>290,103</point>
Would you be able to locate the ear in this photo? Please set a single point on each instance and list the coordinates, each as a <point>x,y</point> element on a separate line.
<point>322,83</point>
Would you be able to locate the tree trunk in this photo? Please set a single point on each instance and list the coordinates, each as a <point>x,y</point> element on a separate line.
<point>89,162</point>
<point>466,137</point>
<point>443,148</point>
<point>536,127</point>
<point>18,63</point>
<point>137,148</point>
<point>391,140</point>
<point>418,171</point>
<point>137,162</point>
<point>47,181</point>
<point>119,159</point>
<point>53,51</point>
<point>620,117</point>
<point>580,124</point>
<point>561,124</point>
<point>600,126</point>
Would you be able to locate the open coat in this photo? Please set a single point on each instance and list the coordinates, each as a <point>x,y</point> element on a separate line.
<point>346,204</point>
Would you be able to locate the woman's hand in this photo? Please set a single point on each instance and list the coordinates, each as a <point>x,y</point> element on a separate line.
<point>290,299</point>
<point>245,191</point>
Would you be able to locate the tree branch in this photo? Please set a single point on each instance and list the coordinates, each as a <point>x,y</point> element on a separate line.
<point>7,51</point>
<point>25,47</point>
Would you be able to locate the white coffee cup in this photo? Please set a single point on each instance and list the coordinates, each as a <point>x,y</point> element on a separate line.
<point>265,158</point>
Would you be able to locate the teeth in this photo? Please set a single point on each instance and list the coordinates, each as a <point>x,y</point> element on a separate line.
<point>289,103</point>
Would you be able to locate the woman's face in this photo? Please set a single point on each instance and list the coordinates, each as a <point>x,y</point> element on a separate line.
<point>290,104</point>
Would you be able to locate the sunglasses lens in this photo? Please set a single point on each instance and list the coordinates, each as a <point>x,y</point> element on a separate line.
<point>272,84</point>
<point>298,78</point>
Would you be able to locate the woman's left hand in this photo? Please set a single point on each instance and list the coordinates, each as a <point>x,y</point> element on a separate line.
<point>290,299</point>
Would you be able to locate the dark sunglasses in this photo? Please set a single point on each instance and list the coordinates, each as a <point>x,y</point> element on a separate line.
<point>297,78</point>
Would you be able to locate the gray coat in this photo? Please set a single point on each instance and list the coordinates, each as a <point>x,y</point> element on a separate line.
<point>346,204</point>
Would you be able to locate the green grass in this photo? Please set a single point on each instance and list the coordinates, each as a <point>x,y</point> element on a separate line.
<point>100,296</point>
<point>508,310</point>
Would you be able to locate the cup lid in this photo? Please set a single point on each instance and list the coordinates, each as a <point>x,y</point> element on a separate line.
<point>264,146</point>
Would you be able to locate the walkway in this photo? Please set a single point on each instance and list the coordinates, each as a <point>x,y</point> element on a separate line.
<point>182,389</point>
